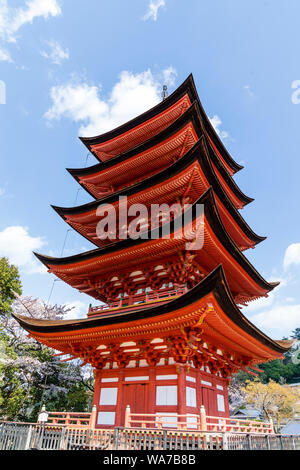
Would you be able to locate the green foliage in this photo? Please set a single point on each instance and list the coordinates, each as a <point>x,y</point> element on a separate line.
<point>296,334</point>
<point>9,283</point>
<point>61,389</point>
<point>12,393</point>
<point>280,371</point>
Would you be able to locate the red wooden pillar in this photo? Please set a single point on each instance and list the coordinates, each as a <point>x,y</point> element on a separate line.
<point>97,389</point>
<point>152,391</point>
<point>96,398</point>
<point>198,389</point>
<point>181,393</point>
<point>119,421</point>
<point>225,386</point>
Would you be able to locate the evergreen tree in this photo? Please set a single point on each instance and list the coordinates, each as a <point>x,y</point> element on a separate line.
<point>9,285</point>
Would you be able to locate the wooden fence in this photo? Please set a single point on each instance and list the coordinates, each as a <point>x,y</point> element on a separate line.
<point>23,436</point>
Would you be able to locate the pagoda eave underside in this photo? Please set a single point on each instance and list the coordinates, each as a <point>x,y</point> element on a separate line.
<point>202,321</point>
<point>88,271</point>
<point>184,181</point>
<point>153,156</point>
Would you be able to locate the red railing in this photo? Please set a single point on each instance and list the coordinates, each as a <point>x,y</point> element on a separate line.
<point>195,422</point>
<point>69,418</point>
<point>216,424</point>
<point>138,299</point>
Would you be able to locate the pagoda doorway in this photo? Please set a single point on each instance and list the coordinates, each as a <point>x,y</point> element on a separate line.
<point>137,397</point>
<point>209,401</point>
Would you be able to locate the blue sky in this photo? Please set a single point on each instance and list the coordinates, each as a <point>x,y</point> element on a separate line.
<point>72,67</point>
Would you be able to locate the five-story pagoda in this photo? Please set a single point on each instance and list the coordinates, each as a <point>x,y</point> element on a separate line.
<point>171,332</point>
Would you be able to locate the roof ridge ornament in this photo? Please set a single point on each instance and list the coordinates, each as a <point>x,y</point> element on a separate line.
<point>165,93</point>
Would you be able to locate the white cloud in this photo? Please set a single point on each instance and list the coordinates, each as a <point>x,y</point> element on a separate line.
<point>2,191</point>
<point>17,245</point>
<point>153,7</point>
<point>216,122</point>
<point>130,96</point>
<point>279,321</point>
<point>169,76</point>
<point>292,255</point>
<point>12,19</point>
<point>79,309</point>
<point>5,55</point>
<point>249,90</point>
<point>56,53</point>
<point>273,296</point>
<point>263,302</point>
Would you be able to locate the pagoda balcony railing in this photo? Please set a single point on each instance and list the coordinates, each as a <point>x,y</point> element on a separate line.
<point>190,421</point>
<point>139,299</point>
<point>70,419</point>
<point>200,422</point>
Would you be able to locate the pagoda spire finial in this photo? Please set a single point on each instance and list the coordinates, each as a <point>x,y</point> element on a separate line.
<point>165,93</point>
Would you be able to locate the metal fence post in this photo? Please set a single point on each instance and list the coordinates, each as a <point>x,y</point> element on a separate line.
<point>268,441</point>
<point>225,441</point>
<point>165,439</point>
<point>281,443</point>
<point>116,439</point>
<point>62,443</point>
<point>28,438</point>
<point>249,441</point>
<point>1,435</point>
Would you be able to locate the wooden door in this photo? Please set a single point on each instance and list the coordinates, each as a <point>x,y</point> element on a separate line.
<point>136,396</point>
<point>209,401</point>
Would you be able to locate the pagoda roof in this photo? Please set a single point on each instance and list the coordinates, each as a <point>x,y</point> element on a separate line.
<point>156,153</point>
<point>218,247</point>
<point>135,131</point>
<point>223,325</point>
<point>202,153</point>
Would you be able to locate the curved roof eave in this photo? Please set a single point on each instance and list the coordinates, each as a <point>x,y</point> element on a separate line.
<point>163,176</point>
<point>214,283</point>
<point>211,214</point>
<point>191,114</point>
<point>188,86</point>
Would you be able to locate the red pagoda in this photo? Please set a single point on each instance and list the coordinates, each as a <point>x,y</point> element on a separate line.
<point>171,332</point>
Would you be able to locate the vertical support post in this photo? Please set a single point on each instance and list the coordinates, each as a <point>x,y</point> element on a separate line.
<point>165,439</point>
<point>127,417</point>
<point>116,439</point>
<point>97,389</point>
<point>249,441</point>
<point>268,442</point>
<point>225,441</point>
<point>181,396</point>
<point>203,422</point>
<point>119,417</point>
<point>152,394</point>
<point>93,418</point>
<point>28,438</point>
<point>62,444</point>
